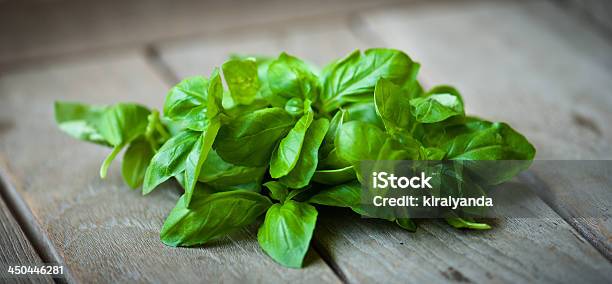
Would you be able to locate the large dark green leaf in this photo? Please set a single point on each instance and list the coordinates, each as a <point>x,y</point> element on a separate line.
<point>307,162</point>
<point>211,216</point>
<point>285,234</point>
<point>354,77</point>
<point>249,140</point>
<point>359,141</point>
<point>224,175</point>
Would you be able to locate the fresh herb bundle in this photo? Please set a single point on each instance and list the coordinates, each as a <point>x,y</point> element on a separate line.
<point>298,131</point>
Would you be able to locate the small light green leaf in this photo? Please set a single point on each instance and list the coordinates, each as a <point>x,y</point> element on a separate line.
<point>393,106</point>
<point>308,159</point>
<point>461,223</point>
<point>186,103</point>
<point>215,95</point>
<point>286,232</point>
<point>75,119</point>
<point>211,216</point>
<point>135,162</point>
<point>242,79</point>
<point>278,191</point>
<point>286,155</point>
<point>197,156</point>
<point>120,124</point>
<point>289,77</point>
<point>437,105</point>
<point>406,224</point>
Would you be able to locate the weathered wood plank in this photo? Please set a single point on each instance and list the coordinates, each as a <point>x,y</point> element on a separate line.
<point>531,64</point>
<point>537,248</point>
<point>15,249</point>
<point>598,11</point>
<point>518,249</point>
<point>104,231</point>
<point>69,26</point>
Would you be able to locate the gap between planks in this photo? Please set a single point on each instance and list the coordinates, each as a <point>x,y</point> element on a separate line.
<point>29,225</point>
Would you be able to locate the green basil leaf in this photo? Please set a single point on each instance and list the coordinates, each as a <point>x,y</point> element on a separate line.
<point>197,156</point>
<point>211,216</point>
<point>286,232</point>
<point>278,191</point>
<point>308,159</point>
<point>242,79</point>
<point>437,105</point>
<point>120,124</point>
<point>393,106</point>
<point>365,112</point>
<point>215,95</point>
<point>135,162</point>
<point>221,174</point>
<point>186,103</point>
<point>330,136</point>
<point>345,195</point>
<point>170,159</point>
<point>406,224</point>
<point>353,78</point>
<point>359,141</point>
<point>249,140</point>
<point>75,119</point>
<point>286,155</point>
<point>290,77</point>
<point>461,223</point>
<point>295,106</point>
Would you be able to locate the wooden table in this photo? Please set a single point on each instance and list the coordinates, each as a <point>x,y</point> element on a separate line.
<point>544,69</point>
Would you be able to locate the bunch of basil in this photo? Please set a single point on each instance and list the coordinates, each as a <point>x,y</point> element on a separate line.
<point>298,131</point>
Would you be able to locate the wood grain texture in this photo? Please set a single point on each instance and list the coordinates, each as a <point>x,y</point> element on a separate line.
<point>69,26</point>
<point>15,249</point>
<point>542,249</point>
<point>532,65</point>
<point>105,231</point>
<point>539,247</point>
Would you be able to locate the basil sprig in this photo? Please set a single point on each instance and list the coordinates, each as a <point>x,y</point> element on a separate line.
<point>299,132</point>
